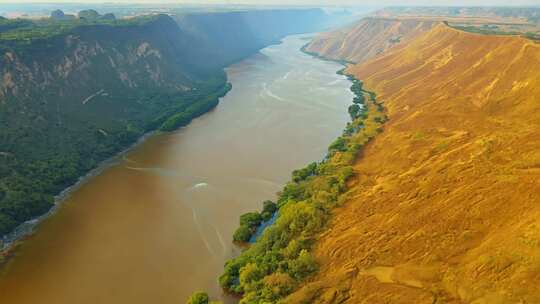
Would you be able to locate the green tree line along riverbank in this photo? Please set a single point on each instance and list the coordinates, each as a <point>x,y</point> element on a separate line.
<point>277,263</point>
<point>28,185</point>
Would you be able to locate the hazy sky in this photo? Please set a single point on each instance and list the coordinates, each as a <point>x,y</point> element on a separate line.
<point>306,2</point>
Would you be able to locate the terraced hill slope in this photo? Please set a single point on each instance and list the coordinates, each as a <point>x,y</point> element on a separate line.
<point>445,205</point>
<point>367,38</point>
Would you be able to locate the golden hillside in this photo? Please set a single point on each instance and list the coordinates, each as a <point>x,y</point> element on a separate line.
<point>368,38</point>
<point>445,207</point>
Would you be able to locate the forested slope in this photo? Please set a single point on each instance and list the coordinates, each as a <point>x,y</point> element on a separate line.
<point>75,92</point>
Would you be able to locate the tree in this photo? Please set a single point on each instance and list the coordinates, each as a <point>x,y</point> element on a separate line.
<point>250,219</point>
<point>303,266</point>
<point>338,145</point>
<point>89,14</point>
<point>269,208</point>
<point>354,110</point>
<point>280,284</point>
<point>303,174</point>
<point>199,298</point>
<point>57,15</point>
<point>242,234</point>
<point>108,16</point>
<point>6,223</point>
<point>359,99</point>
<point>250,275</point>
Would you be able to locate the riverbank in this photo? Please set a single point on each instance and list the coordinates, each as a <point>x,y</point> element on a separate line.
<point>313,54</point>
<point>280,259</point>
<point>10,241</point>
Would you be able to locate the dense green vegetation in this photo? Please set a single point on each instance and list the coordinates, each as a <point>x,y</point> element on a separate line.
<point>532,36</point>
<point>10,24</point>
<point>199,298</point>
<point>31,177</point>
<point>250,221</point>
<point>280,259</point>
<point>484,30</point>
<point>196,109</point>
<point>23,31</point>
<point>487,29</point>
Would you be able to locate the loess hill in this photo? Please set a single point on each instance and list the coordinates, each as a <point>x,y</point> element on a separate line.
<point>445,204</point>
<point>367,38</point>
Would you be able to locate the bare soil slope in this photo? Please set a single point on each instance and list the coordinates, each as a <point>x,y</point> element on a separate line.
<point>445,207</point>
<point>368,38</point>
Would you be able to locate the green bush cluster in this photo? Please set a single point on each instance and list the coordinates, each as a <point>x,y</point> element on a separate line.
<point>199,298</point>
<point>195,110</point>
<point>354,111</point>
<point>303,174</point>
<point>250,221</point>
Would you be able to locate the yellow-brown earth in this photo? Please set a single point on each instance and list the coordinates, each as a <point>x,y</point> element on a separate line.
<point>368,38</point>
<point>445,206</point>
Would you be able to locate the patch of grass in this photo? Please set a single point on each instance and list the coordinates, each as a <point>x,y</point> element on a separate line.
<point>442,146</point>
<point>419,136</point>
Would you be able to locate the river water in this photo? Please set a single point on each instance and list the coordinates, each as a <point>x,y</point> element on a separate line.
<point>157,225</point>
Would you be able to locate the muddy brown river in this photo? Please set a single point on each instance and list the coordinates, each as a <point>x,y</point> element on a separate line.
<point>157,224</point>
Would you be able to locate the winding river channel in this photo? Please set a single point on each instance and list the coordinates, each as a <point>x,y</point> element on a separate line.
<point>157,224</point>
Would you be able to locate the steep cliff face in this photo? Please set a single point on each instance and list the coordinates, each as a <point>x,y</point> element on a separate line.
<point>444,207</point>
<point>71,97</point>
<point>368,38</point>
<point>96,58</point>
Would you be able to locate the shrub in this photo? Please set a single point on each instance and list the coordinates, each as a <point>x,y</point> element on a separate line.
<point>242,234</point>
<point>250,276</point>
<point>303,174</point>
<point>199,298</point>
<point>303,266</point>
<point>354,110</point>
<point>250,219</point>
<point>338,145</point>
<point>279,284</point>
